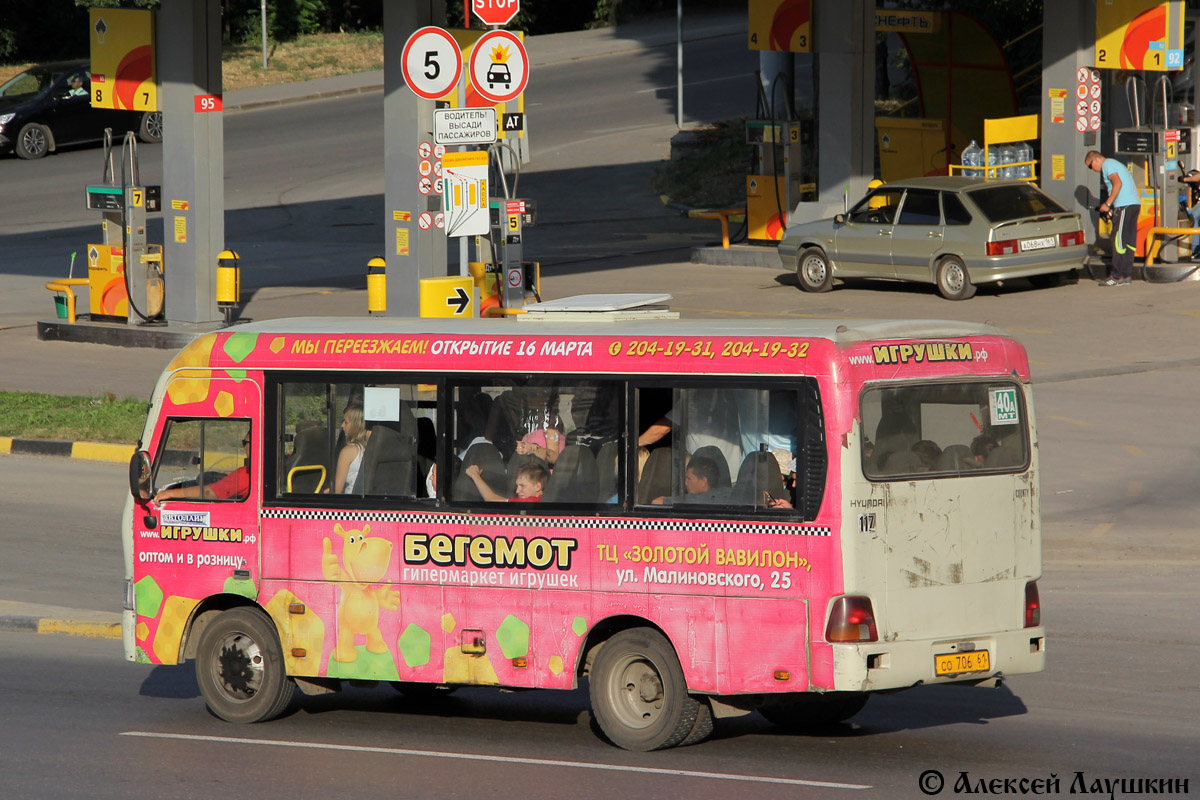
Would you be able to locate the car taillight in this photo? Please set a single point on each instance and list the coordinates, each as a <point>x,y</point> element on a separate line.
<point>1033,606</point>
<point>1070,239</point>
<point>851,620</point>
<point>1004,247</point>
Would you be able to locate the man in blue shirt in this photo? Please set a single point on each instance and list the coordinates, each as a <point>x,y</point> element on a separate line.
<point>1124,204</point>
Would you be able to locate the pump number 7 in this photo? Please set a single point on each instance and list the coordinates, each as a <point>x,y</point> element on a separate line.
<point>432,63</point>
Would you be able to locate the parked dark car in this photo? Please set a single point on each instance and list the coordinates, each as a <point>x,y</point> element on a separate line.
<point>49,105</point>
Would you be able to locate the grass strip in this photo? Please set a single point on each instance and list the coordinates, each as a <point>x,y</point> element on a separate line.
<point>71,418</point>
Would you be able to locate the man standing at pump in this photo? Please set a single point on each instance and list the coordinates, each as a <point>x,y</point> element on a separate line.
<point>1124,205</point>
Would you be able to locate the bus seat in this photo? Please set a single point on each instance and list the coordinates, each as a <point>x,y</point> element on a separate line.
<point>759,473</point>
<point>894,433</point>
<point>426,438</point>
<point>1008,454</point>
<point>574,478</point>
<point>714,454</point>
<point>389,462</point>
<point>956,457</point>
<point>311,450</point>
<point>656,476</point>
<point>606,472</point>
<point>487,457</point>
<point>519,460</point>
<point>902,462</point>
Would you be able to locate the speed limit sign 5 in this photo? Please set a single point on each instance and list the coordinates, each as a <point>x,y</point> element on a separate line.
<point>432,62</point>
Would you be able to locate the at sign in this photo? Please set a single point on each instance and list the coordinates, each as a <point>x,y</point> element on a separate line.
<point>496,12</point>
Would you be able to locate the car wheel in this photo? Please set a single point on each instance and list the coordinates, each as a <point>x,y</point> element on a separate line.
<point>239,667</point>
<point>813,270</point>
<point>33,141</point>
<point>151,129</point>
<point>639,696</point>
<point>952,279</point>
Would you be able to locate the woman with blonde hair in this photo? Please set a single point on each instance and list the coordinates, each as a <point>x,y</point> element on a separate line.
<point>350,459</point>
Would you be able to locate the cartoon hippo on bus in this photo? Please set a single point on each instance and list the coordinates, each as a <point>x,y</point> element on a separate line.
<point>363,564</point>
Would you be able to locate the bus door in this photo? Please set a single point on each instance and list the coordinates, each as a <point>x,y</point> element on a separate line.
<point>953,503</point>
<point>207,474</point>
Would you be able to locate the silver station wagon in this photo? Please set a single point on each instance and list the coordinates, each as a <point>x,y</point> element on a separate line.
<point>953,232</point>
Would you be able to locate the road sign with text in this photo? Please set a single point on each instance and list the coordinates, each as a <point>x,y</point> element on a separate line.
<point>495,12</point>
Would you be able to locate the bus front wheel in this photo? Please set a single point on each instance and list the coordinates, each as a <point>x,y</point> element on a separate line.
<point>639,696</point>
<point>815,711</point>
<point>240,669</point>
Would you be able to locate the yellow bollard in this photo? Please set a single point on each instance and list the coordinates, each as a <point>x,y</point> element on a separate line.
<point>376,286</point>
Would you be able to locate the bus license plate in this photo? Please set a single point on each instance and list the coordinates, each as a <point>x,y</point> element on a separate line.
<point>1038,244</point>
<point>958,663</point>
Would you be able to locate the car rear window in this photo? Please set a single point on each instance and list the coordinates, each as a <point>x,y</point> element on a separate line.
<point>1006,203</point>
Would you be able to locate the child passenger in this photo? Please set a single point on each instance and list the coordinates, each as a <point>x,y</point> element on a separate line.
<point>531,481</point>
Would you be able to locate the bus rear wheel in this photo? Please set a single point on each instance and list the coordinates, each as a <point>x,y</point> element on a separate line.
<point>240,669</point>
<point>639,696</point>
<point>812,712</point>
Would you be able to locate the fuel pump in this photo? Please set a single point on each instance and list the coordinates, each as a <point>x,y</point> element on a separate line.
<point>124,270</point>
<point>1155,152</point>
<point>774,185</point>
<point>503,253</point>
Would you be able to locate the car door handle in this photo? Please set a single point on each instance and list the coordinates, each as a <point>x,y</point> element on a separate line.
<point>934,235</point>
<point>884,232</point>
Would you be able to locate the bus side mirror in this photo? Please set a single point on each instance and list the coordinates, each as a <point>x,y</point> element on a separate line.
<point>139,476</point>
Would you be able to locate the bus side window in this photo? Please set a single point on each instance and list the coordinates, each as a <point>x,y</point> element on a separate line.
<point>204,460</point>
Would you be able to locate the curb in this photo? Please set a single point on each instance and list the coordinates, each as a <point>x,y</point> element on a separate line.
<point>69,627</point>
<point>90,451</point>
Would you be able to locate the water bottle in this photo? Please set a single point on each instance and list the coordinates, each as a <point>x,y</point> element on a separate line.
<point>1025,153</point>
<point>992,156</point>
<point>1008,155</point>
<point>972,156</point>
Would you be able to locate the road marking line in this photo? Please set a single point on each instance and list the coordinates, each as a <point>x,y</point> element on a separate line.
<point>1099,531</point>
<point>1079,422</point>
<point>1134,490</point>
<point>543,762</point>
<point>1133,450</point>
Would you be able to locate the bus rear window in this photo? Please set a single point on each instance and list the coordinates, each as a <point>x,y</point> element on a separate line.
<point>943,429</point>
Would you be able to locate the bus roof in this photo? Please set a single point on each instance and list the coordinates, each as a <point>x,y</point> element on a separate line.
<point>839,331</point>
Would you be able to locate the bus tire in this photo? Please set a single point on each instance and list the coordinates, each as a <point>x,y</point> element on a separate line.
<point>812,712</point>
<point>240,669</point>
<point>953,281</point>
<point>638,693</point>
<point>703,726</point>
<point>814,271</point>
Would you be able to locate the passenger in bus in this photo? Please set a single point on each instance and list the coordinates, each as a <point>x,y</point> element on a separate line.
<point>531,482</point>
<point>235,485</point>
<point>929,453</point>
<point>350,458</point>
<point>982,447</point>
<point>700,484</point>
<point>712,420</point>
<point>527,415</point>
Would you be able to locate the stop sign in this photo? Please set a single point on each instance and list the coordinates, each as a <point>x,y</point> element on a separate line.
<point>495,12</point>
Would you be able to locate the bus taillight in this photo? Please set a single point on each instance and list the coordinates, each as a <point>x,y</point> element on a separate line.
<point>1033,605</point>
<point>851,620</point>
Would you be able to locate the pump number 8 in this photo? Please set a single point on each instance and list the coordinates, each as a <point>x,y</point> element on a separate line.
<point>432,63</point>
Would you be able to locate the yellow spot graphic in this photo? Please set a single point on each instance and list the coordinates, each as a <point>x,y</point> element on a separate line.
<point>175,613</point>
<point>556,664</point>
<point>499,54</point>
<point>277,344</point>
<point>462,668</point>
<point>191,385</point>
<point>1133,450</point>
<point>305,631</point>
<point>142,631</point>
<point>448,623</point>
<point>224,404</point>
